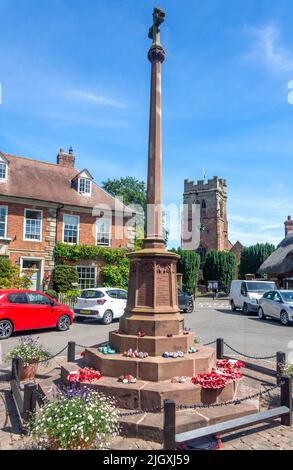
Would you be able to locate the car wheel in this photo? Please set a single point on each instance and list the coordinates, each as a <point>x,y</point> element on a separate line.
<point>63,323</point>
<point>233,307</point>
<point>190,306</point>
<point>6,329</point>
<point>245,309</point>
<point>284,318</point>
<point>261,314</point>
<point>107,318</point>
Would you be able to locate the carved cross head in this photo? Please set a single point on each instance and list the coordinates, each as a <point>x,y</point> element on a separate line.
<point>158,19</point>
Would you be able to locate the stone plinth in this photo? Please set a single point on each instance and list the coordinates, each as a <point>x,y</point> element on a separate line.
<point>153,368</point>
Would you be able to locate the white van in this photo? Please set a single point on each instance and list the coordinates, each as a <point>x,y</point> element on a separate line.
<point>246,294</point>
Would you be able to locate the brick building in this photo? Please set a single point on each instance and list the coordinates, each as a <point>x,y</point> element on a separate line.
<point>43,203</point>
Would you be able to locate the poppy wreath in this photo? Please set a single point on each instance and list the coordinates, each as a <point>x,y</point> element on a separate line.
<point>84,375</point>
<point>229,364</point>
<point>211,380</point>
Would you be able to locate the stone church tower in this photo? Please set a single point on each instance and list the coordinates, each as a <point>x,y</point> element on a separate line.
<point>212,199</point>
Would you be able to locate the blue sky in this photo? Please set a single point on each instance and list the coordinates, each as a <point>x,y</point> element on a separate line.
<point>74,72</point>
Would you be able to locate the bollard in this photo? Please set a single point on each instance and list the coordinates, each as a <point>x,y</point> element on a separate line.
<point>169,424</point>
<point>286,399</point>
<point>15,369</point>
<point>71,351</point>
<point>29,401</point>
<point>220,348</point>
<point>280,361</point>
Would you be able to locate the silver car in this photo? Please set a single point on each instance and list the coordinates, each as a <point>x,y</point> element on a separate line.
<point>277,304</point>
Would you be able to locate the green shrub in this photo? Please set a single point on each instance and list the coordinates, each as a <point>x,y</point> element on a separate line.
<point>252,257</point>
<point>52,293</point>
<point>64,277</point>
<point>76,252</point>
<point>220,266</point>
<point>116,275</point>
<point>188,265</point>
<point>10,276</point>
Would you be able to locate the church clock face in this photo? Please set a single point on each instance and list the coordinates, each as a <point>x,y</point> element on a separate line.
<point>201,227</point>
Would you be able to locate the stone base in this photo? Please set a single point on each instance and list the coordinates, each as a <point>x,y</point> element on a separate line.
<point>153,368</point>
<point>149,426</point>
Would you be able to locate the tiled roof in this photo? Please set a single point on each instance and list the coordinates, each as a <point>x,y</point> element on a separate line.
<point>34,179</point>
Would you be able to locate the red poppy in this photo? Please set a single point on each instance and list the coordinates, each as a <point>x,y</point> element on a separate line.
<point>84,375</point>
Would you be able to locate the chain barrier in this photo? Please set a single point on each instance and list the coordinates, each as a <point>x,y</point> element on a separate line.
<point>237,401</point>
<point>210,343</point>
<point>51,357</point>
<point>249,356</point>
<point>96,346</point>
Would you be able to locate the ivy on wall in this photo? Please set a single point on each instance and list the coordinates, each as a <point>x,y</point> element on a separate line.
<point>76,252</point>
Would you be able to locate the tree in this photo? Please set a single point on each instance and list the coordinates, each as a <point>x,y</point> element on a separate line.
<point>252,258</point>
<point>116,275</point>
<point>130,190</point>
<point>64,277</point>
<point>188,265</point>
<point>220,266</point>
<point>10,277</point>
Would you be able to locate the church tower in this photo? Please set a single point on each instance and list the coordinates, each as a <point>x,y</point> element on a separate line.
<point>212,199</point>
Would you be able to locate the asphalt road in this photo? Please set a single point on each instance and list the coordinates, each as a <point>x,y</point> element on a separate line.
<point>210,320</point>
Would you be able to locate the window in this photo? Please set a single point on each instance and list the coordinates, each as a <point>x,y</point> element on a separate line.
<point>104,230</point>
<point>113,294</point>
<point>122,294</point>
<point>87,277</point>
<point>70,228</point>
<point>38,299</point>
<point>85,186</point>
<point>33,224</point>
<point>3,171</point>
<point>3,221</point>
<point>203,209</point>
<point>92,294</point>
<point>17,298</point>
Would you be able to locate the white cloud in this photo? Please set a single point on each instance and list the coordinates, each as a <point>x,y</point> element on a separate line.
<point>97,99</point>
<point>267,46</point>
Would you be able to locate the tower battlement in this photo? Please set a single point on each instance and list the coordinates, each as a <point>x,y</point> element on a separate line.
<point>201,185</point>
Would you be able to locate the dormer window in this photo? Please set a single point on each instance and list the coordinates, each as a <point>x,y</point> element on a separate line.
<point>83,183</point>
<point>85,186</point>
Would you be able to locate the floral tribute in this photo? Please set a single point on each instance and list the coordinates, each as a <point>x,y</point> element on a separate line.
<point>84,375</point>
<point>173,355</point>
<point>226,371</point>
<point>141,334</point>
<point>127,379</point>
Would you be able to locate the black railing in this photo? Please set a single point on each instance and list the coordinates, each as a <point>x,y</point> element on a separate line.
<point>284,411</point>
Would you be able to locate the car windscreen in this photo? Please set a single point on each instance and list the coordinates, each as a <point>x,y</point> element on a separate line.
<point>260,286</point>
<point>288,296</point>
<point>92,294</point>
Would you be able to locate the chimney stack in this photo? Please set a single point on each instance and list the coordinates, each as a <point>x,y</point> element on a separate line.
<point>288,225</point>
<point>66,159</point>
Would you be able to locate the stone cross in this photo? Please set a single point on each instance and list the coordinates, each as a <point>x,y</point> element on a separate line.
<point>156,55</point>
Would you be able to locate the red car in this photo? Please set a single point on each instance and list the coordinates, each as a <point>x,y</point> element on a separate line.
<point>31,310</point>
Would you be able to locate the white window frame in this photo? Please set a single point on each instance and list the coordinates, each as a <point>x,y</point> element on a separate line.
<point>104,219</point>
<point>6,171</point>
<point>24,226</point>
<point>78,228</point>
<point>87,267</point>
<point>6,221</point>
<point>90,186</point>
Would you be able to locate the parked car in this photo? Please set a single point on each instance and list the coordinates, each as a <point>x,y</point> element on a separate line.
<point>101,303</point>
<point>22,310</point>
<point>246,294</point>
<point>277,304</point>
<point>185,301</point>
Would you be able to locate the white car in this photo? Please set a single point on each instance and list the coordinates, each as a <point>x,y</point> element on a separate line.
<point>102,303</point>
